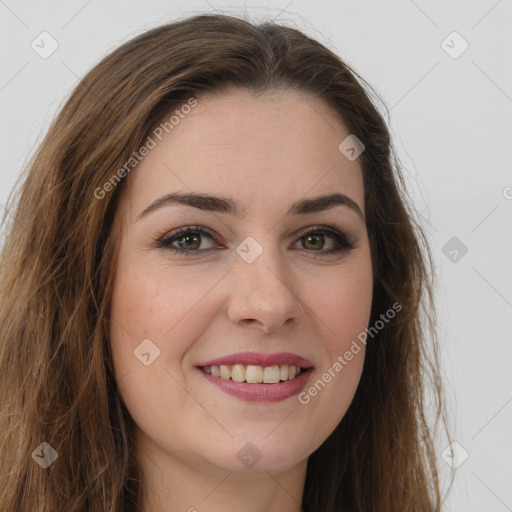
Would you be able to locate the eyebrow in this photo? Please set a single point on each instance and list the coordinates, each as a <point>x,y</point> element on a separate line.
<point>211,203</point>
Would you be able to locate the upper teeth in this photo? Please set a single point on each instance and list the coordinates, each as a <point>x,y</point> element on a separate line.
<point>254,374</point>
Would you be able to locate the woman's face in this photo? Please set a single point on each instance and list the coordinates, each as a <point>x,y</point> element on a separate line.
<point>270,276</point>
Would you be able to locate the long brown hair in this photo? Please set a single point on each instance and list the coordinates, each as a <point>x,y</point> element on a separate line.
<point>59,259</point>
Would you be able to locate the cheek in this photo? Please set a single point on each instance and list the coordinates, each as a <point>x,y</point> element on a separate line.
<point>156,316</point>
<point>342,305</point>
<point>159,304</point>
<point>342,310</point>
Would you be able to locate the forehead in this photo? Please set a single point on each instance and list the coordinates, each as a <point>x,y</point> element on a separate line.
<point>264,151</point>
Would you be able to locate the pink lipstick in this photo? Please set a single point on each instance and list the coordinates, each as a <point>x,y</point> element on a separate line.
<point>257,377</point>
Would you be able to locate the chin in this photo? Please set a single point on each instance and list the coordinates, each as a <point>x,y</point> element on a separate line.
<point>273,454</point>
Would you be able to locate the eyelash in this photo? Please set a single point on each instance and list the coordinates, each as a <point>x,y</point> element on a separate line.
<point>344,244</point>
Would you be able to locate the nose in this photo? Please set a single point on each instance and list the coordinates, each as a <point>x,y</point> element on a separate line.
<point>262,295</point>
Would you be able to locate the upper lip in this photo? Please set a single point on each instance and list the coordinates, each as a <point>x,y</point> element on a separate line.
<point>259,359</point>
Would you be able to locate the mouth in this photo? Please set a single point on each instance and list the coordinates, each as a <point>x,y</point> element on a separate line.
<point>251,376</point>
<point>254,374</point>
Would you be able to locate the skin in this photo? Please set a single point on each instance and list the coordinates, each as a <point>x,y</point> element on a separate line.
<point>266,153</point>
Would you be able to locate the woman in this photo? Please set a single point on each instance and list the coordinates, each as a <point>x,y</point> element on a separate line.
<point>214,292</point>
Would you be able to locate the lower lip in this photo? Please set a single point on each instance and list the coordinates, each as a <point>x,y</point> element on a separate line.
<point>261,392</point>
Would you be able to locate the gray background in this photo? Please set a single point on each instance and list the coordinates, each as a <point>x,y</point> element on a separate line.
<point>450,116</point>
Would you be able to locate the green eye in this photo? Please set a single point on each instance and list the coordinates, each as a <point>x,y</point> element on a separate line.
<point>316,241</point>
<point>188,240</point>
<point>191,241</point>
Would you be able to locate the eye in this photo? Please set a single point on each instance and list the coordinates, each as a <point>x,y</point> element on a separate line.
<point>315,239</point>
<point>188,240</point>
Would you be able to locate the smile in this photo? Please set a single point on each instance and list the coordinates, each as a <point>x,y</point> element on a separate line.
<point>256,377</point>
<point>254,374</point>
